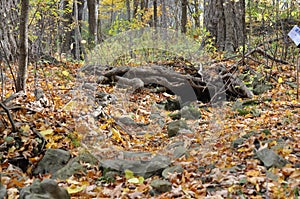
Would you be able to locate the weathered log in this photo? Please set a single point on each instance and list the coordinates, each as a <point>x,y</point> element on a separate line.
<point>215,85</point>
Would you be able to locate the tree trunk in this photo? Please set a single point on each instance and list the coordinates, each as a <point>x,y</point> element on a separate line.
<point>184,4</point>
<point>225,20</point>
<point>135,8</point>
<point>92,19</point>
<point>155,13</point>
<point>196,14</point>
<point>23,58</point>
<point>143,6</point>
<point>66,36</point>
<point>164,14</point>
<point>8,32</point>
<point>78,49</point>
<point>128,10</point>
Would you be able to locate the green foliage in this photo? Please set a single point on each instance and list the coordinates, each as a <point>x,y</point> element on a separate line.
<point>75,140</point>
<point>296,192</point>
<point>129,175</point>
<point>121,25</point>
<point>106,179</point>
<point>202,36</point>
<point>44,18</point>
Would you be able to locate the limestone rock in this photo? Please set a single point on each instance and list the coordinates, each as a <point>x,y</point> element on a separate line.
<point>174,127</point>
<point>161,186</point>
<point>170,170</point>
<point>47,189</point>
<point>53,160</point>
<point>3,191</point>
<point>270,158</point>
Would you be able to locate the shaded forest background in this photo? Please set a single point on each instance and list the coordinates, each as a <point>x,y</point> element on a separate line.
<point>68,30</point>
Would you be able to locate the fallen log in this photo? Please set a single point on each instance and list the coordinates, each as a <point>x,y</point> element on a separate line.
<point>208,86</point>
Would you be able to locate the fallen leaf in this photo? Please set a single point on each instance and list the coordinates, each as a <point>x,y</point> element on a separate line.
<point>46,132</point>
<point>65,73</point>
<point>25,128</point>
<point>133,180</point>
<point>72,190</point>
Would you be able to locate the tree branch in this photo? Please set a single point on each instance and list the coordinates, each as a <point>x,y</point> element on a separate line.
<point>9,117</point>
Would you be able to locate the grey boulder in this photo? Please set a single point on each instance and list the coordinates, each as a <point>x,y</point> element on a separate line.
<point>47,189</point>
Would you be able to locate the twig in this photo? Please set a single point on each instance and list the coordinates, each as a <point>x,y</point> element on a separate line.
<point>9,66</point>
<point>2,84</point>
<point>265,54</point>
<point>270,41</point>
<point>47,84</point>
<point>297,76</point>
<point>13,96</point>
<point>9,117</point>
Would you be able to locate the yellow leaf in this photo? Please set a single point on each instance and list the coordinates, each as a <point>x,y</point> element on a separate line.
<point>69,106</point>
<point>286,151</point>
<point>65,73</point>
<point>133,180</point>
<point>11,149</point>
<point>72,190</point>
<point>280,80</point>
<point>72,182</point>
<point>253,173</point>
<point>128,174</point>
<point>46,132</point>
<point>104,126</point>
<point>25,128</point>
<point>231,188</point>
<point>116,134</point>
<point>295,174</point>
<point>141,180</point>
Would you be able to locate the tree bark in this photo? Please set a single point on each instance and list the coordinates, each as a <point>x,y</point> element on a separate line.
<point>196,14</point>
<point>184,4</point>
<point>66,34</point>
<point>225,20</point>
<point>135,8</point>
<point>92,19</point>
<point>164,14</point>
<point>8,32</point>
<point>217,83</point>
<point>23,58</point>
<point>144,6</point>
<point>155,13</point>
<point>128,10</point>
<point>79,48</point>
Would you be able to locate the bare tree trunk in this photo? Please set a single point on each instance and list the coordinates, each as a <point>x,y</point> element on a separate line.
<point>184,4</point>
<point>23,58</point>
<point>67,34</point>
<point>143,6</point>
<point>164,14</point>
<point>8,32</point>
<point>155,13</point>
<point>135,8</point>
<point>128,9</point>
<point>112,12</point>
<point>99,30</point>
<point>93,20</point>
<point>77,32</point>
<point>225,20</point>
<point>196,14</point>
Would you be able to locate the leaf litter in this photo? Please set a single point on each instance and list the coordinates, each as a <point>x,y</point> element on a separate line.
<point>213,168</point>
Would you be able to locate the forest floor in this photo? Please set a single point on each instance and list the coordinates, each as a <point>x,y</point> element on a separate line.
<point>221,161</point>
